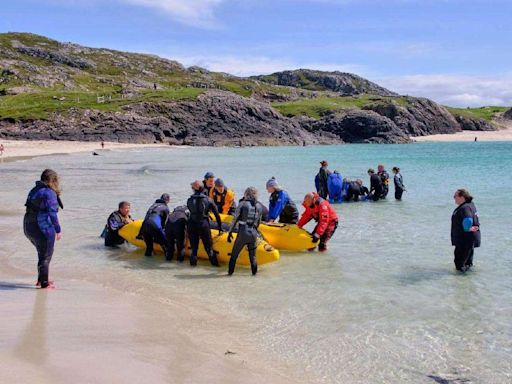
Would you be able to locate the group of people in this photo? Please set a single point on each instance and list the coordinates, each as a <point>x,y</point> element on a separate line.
<point>337,189</point>
<point>41,224</point>
<point>211,197</point>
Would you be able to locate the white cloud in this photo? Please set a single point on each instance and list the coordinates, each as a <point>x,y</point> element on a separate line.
<point>198,13</point>
<point>455,90</point>
<point>248,66</point>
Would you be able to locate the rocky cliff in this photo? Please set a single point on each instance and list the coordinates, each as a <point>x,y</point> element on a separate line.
<point>53,90</point>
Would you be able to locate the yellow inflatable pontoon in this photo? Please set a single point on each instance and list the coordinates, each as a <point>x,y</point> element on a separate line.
<point>265,253</point>
<point>286,237</point>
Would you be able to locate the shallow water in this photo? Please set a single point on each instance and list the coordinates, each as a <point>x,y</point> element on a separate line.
<point>382,305</point>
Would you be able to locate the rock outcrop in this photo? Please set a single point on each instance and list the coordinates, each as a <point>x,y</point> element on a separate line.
<point>508,114</point>
<point>346,84</point>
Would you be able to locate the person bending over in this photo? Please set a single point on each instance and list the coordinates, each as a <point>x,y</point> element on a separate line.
<point>175,230</point>
<point>152,229</point>
<point>281,208</point>
<point>322,212</point>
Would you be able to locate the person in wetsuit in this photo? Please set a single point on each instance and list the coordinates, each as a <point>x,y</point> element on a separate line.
<point>248,217</point>
<point>152,229</point>
<point>223,197</point>
<point>399,183</point>
<point>355,190</point>
<point>375,185</point>
<point>465,230</point>
<point>41,224</point>
<point>384,177</point>
<point>175,230</point>
<point>115,222</point>
<point>323,213</point>
<point>200,207</point>
<point>321,179</point>
<point>281,207</point>
<point>208,182</point>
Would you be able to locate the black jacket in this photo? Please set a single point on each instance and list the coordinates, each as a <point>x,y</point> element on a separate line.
<point>459,237</point>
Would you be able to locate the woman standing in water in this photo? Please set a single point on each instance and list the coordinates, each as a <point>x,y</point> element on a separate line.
<point>399,183</point>
<point>41,224</point>
<point>465,231</point>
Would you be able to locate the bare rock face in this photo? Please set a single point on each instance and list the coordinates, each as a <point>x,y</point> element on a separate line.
<point>469,124</point>
<point>357,126</point>
<point>215,118</point>
<point>508,114</point>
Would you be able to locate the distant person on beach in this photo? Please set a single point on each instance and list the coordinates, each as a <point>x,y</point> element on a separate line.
<point>208,182</point>
<point>41,224</point>
<point>324,214</point>
<point>2,149</point>
<point>200,207</point>
<point>321,179</point>
<point>399,183</point>
<point>465,231</point>
<point>152,229</point>
<point>102,144</point>
<point>375,185</point>
<point>248,217</point>
<point>223,197</point>
<point>175,231</point>
<point>281,207</point>
<point>384,177</point>
<point>115,222</point>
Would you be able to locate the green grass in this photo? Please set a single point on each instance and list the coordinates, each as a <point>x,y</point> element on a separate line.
<point>39,105</point>
<point>320,106</point>
<point>485,113</point>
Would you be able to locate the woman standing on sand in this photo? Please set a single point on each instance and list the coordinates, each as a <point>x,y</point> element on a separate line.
<point>41,224</point>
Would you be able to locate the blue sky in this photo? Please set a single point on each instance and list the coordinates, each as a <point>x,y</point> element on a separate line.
<point>453,51</point>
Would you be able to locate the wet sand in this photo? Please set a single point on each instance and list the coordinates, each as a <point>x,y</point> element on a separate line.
<point>88,333</point>
<point>24,149</point>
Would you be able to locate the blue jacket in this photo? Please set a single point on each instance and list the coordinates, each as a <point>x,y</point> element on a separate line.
<point>42,205</point>
<point>280,201</point>
<point>335,187</point>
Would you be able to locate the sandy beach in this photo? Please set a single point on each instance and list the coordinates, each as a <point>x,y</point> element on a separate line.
<point>500,135</point>
<point>20,149</point>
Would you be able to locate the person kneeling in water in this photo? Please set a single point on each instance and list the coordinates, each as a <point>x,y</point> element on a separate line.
<point>321,211</point>
<point>115,222</point>
<point>248,217</point>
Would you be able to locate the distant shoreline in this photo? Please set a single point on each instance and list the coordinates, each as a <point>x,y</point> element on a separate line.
<point>26,149</point>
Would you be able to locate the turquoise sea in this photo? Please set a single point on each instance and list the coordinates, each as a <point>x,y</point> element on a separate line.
<point>383,305</point>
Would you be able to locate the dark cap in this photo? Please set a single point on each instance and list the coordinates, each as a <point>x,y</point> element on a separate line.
<point>219,183</point>
<point>208,175</point>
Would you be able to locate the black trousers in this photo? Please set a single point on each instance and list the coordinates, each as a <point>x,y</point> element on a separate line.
<point>200,230</point>
<point>398,193</point>
<point>245,237</point>
<point>463,256</point>
<point>152,233</point>
<point>175,233</point>
<point>44,243</point>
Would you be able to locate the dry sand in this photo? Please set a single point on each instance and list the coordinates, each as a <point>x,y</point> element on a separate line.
<point>500,135</point>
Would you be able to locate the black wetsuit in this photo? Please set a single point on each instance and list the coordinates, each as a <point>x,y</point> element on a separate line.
<point>464,242</point>
<point>375,187</point>
<point>175,230</point>
<point>200,206</point>
<point>399,186</point>
<point>152,229</point>
<point>354,191</point>
<point>322,185</point>
<point>248,217</point>
<point>114,223</point>
<point>384,177</point>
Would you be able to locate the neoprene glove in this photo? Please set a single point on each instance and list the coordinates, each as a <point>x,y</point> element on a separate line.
<point>230,237</point>
<point>315,237</point>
